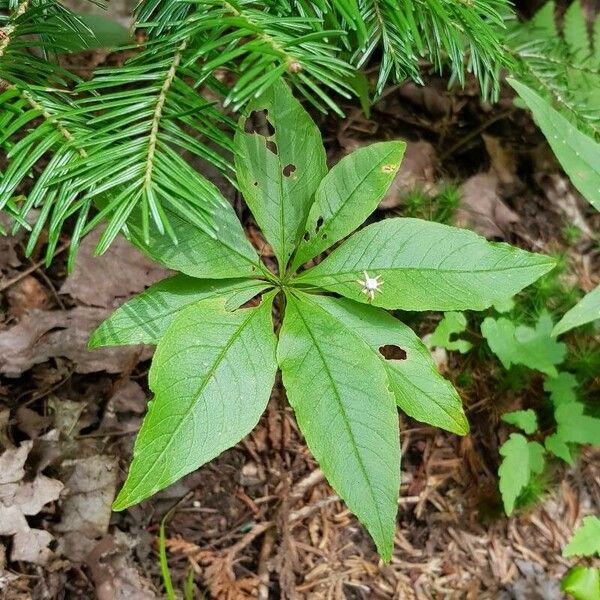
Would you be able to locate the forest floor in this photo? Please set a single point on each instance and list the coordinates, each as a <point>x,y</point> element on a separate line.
<point>260,521</point>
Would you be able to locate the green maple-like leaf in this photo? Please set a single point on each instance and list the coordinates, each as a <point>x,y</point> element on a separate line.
<point>212,376</point>
<point>526,420</point>
<point>520,460</point>
<point>426,266</point>
<point>452,324</point>
<point>575,426</point>
<point>522,345</point>
<point>339,392</point>
<point>586,540</point>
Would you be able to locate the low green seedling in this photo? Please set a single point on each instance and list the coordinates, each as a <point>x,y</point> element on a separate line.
<point>346,363</point>
<point>583,583</point>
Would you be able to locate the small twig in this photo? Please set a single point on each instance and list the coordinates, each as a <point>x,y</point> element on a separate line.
<point>473,134</point>
<point>34,267</point>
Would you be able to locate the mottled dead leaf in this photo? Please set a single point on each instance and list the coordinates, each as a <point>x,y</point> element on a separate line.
<point>482,209</point>
<point>25,295</point>
<point>42,335</point>
<point>90,485</point>
<point>19,498</point>
<point>112,570</point>
<point>107,280</point>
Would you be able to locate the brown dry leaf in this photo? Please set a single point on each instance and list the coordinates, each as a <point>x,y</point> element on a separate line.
<point>113,573</point>
<point>503,162</point>
<point>107,280</point>
<point>417,171</point>
<point>90,489</point>
<point>19,498</point>
<point>42,335</point>
<point>27,294</point>
<point>8,256</point>
<point>482,209</point>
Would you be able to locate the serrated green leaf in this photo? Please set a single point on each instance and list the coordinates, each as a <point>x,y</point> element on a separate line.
<point>575,426</point>
<point>453,323</point>
<point>212,376</point>
<point>521,460</point>
<point>561,388</point>
<point>583,583</point>
<point>347,195</point>
<point>278,174</point>
<point>339,391</point>
<point>575,31</point>
<point>586,540</point>
<point>557,446</point>
<point>226,255</point>
<point>426,266</point>
<point>146,318</point>
<point>578,154</point>
<point>420,391</point>
<point>522,345</point>
<point>525,420</point>
<point>585,311</point>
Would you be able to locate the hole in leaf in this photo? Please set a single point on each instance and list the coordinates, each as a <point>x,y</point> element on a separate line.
<point>272,146</point>
<point>319,224</point>
<point>288,170</point>
<point>258,122</point>
<point>391,352</point>
<point>255,184</point>
<point>306,236</point>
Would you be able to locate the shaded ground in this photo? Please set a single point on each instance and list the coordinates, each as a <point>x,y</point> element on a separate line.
<point>260,522</point>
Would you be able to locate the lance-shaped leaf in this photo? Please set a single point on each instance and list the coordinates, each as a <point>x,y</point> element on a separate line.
<point>420,391</point>
<point>146,318</point>
<point>212,375</point>
<point>578,154</point>
<point>224,254</point>
<point>585,311</point>
<point>338,389</point>
<point>427,266</point>
<point>347,195</point>
<point>279,172</point>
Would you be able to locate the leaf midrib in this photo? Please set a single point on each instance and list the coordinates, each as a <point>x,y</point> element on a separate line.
<point>310,245</point>
<point>359,271</point>
<point>251,314</point>
<point>342,411</point>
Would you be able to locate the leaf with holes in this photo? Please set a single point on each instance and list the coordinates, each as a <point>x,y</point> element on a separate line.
<point>347,195</point>
<point>426,266</point>
<point>346,366</point>
<point>280,163</point>
<point>419,389</point>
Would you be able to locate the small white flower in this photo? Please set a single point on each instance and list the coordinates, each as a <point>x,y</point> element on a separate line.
<point>370,286</point>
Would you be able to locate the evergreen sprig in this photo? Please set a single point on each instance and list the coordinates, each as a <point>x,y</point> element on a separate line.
<point>561,63</point>
<point>134,137</point>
